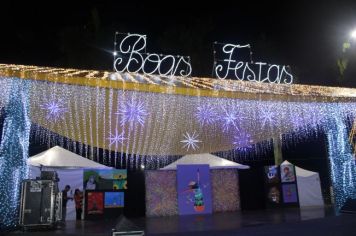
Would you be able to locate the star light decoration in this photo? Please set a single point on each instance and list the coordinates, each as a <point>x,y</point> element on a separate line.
<point>133,112</point>
<point>190,141</point>
<point>116,138</point>
<point>55,110</point>
<point>243,141</point>
<point>206,115</point>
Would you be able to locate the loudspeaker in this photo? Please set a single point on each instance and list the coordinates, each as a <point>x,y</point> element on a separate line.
<point>349,206</point>
<point>39,203</point>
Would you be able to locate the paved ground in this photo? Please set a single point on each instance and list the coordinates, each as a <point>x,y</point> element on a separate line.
<point>315,221</point>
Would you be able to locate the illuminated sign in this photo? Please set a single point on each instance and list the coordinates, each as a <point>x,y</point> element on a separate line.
<point>130,56</point>
<point>230,67</point>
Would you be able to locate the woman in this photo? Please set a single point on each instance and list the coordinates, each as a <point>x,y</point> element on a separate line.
<point>78,198</point>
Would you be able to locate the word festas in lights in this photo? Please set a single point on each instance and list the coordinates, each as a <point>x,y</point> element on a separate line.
<point>257,72</point>
<point>130,56</point>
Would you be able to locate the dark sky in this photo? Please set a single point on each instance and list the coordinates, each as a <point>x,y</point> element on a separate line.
<point>307,35</point>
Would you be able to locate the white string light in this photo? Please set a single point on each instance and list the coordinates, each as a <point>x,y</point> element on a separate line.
<point>147,63</point>
<point>255,72</point>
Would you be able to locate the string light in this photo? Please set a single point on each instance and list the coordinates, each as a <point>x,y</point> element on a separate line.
<point>133,58</point>
<point>14,151</point>
<point>154,119</point>
<point>256,72</point>
<point>342,165</point>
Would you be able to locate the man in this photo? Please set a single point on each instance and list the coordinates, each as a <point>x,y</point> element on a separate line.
<point>65,199</point>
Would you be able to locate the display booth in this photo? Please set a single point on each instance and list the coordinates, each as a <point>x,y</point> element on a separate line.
<point>290,185</point>
<point>69,167</point>
<point>208,178</point>
<point>104,192</point>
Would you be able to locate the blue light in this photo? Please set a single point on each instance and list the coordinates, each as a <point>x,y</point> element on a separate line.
<point>342,165</point>
<point>14,152</point>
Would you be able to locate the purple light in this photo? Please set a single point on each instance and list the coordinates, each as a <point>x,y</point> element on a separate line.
<point>242,141</point>
<point>206,115</point>
<point>230,118</point>
<point>116,139</point>
<point>133,112</point>
<point>54,109</point>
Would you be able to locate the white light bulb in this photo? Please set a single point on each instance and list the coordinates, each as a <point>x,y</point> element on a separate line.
<point>114,53</point>
<point>353,34</point>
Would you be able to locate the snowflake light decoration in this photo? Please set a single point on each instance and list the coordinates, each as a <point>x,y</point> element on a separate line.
<point>190,141</point>
<point>205,115</point>
<point>242,141</point>
<point>230,118</point>
<point>267,116</point>
<point>55,110</point>
<point>116,138</point>
<point>133,112</point>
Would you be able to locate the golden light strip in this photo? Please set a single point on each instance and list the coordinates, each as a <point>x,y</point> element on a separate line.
<point>183,86</point>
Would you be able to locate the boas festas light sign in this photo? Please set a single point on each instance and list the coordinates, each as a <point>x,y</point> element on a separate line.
<point>130,56</point>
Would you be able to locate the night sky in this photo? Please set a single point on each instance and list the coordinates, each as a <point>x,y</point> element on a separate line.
<point>308,35</point>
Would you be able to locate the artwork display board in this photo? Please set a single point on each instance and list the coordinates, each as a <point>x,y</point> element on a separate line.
<point>281,186</point>
<point>103,179</point>
<point>272,184</point>
<point>104,192</point>
<point>194,189</point>
<point>289,185</point>
<point>103,204</point>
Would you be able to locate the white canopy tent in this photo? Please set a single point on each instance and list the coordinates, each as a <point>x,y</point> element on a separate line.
<point>69,167</point>
<point>59,157</point>
<point>214,162</point>
<point>309,189</point>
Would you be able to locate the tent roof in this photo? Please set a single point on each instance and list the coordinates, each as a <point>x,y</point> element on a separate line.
<point>60,157</point>
<point>214,162</point>
<point>299,171</point>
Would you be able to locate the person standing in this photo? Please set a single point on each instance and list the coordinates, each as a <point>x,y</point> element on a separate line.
<point>78,198</point>
<point>65,199</point>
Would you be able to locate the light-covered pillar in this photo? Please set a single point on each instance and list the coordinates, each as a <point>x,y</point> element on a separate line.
<point>14,152</point>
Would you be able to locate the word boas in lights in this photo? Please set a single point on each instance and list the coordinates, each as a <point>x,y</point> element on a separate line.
<point>130,56</point>
<point>256,72</point>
